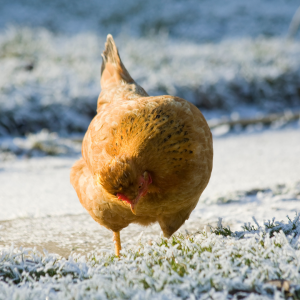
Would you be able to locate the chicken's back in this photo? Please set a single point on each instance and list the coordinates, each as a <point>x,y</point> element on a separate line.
<point>166,136</point>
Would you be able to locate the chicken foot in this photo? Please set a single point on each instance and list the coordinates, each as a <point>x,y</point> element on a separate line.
<point>117,241</point>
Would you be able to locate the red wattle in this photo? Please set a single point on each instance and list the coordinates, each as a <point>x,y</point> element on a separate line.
<point>123,198</point>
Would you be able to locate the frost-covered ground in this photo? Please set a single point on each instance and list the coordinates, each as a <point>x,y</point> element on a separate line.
<point>261,262</point>
<point>233,60</point>
<point>255,174</point>
<point>242,162</point>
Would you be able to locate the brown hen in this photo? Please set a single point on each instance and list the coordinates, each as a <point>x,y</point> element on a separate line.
<point>145,159</point>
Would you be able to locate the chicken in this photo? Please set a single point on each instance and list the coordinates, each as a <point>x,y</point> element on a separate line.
<point>144,159</point>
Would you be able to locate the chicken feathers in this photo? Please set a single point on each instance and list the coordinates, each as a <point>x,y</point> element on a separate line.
<point>154,152</point>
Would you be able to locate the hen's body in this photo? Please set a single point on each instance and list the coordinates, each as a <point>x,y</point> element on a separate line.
<point>165,136</point>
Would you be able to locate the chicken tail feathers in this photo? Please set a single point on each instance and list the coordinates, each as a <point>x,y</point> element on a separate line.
<point>113,72</point>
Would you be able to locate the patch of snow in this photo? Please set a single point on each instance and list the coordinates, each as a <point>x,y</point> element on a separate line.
<point>37,187</point>
<point>40,144</point>
<point>40,187</point>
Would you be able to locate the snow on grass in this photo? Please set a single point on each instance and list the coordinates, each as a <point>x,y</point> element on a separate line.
<point>39,144</point>
<point>209,264</point>
<point>52,80</point>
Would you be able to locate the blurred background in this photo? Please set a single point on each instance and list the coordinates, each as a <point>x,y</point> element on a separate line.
<point>234,60</point>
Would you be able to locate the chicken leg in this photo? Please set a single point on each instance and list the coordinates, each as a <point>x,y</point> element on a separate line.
<point>117,243</point>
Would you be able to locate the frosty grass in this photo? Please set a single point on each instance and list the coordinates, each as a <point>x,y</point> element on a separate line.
<point>51,80</point>
<point>211,264</point>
